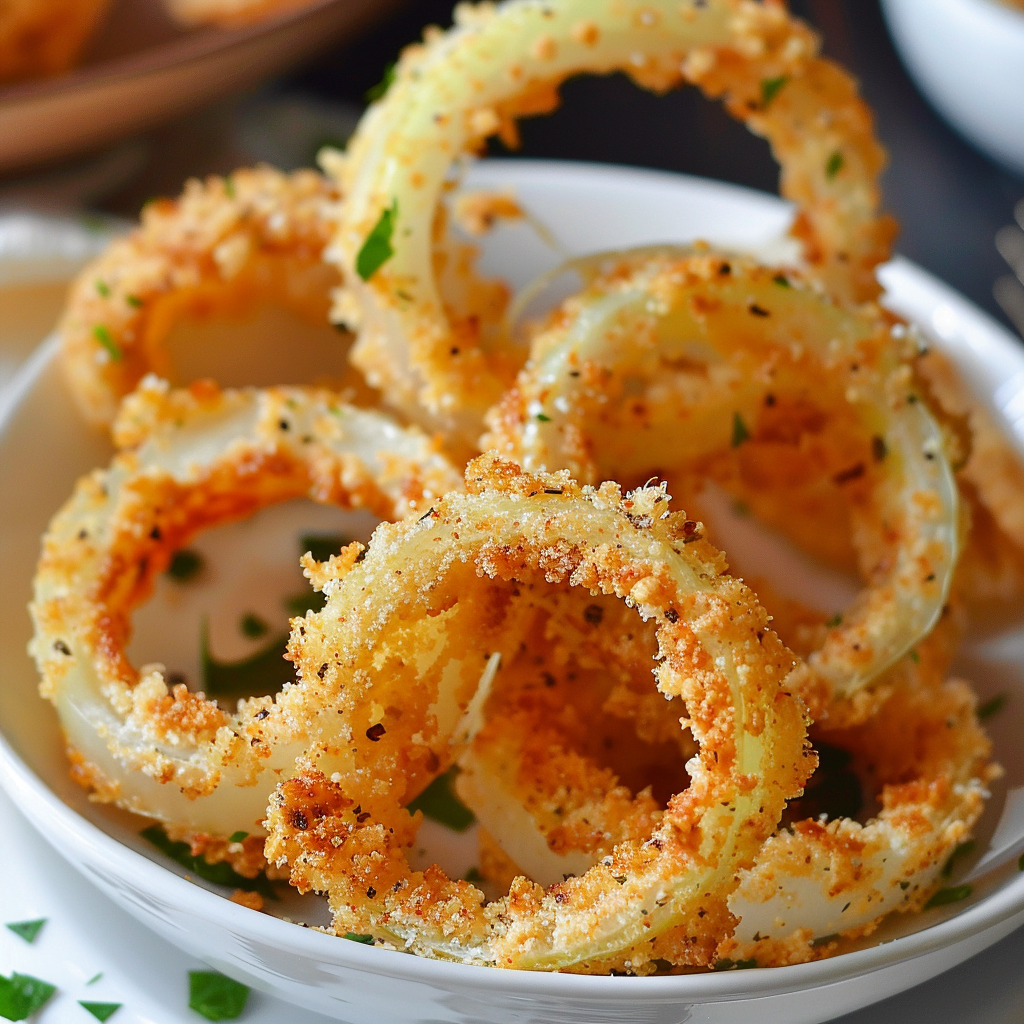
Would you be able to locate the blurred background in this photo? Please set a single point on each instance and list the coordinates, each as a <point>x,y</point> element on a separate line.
<point>949,198</point>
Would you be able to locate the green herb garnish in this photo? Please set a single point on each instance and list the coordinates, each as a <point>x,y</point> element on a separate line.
<point>473,875</point>
<point>96,977</point>
<point>734,965</point>
<point>543,417</point>
<point>739,430</point>
<point>134,301</point>
<point>834,165</point>
<point>253,626</point>
<point>439,803</point>
<point>992,706</point>
<point>229,188</point>
<point>782,281</point>
<point>915,657</point>
<point>261,673</point>
<point>103,288</point>
<point>960,850</point>
<point>28,930</point>
<point>21,995</point>
<point>741,509</point>
<point>946,896</point>
<point>101,1011</point>
<point>377,250</point>
<point>377,91</point>
<point>770,88</point>
<point>237,837</point>
<point>366,940</point>
<point>322,545</point>
<point>185,565</point>
<point>106,339</point>
<point>215,996</point>
<point>219,874</point>
<point>836,620</point>
<point>824,940</point>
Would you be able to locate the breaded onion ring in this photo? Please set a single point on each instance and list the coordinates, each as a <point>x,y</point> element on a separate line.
<point>339,821</point>
<point>505,61</point>
<point>682,365</point>
<point>189,460</point>
<point>225,244</point>
<point>923,757</point>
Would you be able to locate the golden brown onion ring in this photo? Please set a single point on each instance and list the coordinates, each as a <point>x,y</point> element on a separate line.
<point>680,364</point>
<point>500,62</point>
<point>189,460</point>
<point>225,245</point>
<point>339,821</point>
<point>923,757</point>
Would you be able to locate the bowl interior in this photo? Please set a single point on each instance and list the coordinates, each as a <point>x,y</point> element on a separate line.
<point>44,448</point>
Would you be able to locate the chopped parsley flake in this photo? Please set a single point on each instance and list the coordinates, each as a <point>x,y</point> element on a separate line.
<point>106,339</point>
<point>543,417</point>
<point>836,620</point>
<point>215,996</point>
<point>915,657</point>
<point>366,940</point>
<point>473,875</point>
<point>101,1011</point>
<point>229,188</point>
<point>824,940</point>
<point>103,288</point>
<point>219,874</point>
<point>377,249</point>
<point>439,803</point>
<point>307,601</point>
<point>261,673</point>
<point>21,995</point>
<point>734,965</point>
<point>739,430</point>
<point>28,930</point>
<point>377,91</point>
<point>944,897</point>
<point>834,165</point>
<point>185,566</point>
<point>322,545</point>
<point>992,706</point>
<point>741,509</point>
<point>960,850</point>
<point>253,626</point>
<point>770,88</point>
<point>782,281</point>
<point>133,300</point>
<point>237,837</point>
<point>96,977</point>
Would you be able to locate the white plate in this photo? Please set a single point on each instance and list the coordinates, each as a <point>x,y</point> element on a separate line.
<point>142,69</point>
<point>43,448</point>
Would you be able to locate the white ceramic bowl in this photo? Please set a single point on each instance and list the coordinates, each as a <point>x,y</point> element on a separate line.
<point>43,448</point>
<point>967,56</point>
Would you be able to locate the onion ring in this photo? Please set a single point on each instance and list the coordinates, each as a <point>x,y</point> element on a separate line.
<point>226,242</point>
<point>501,62</point>
<point>716,653</point>
<point>669,361</point>
<point>189,460</point>
<point>923,754</point>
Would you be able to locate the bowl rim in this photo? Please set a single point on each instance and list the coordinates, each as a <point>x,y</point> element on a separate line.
<point>93,852</point>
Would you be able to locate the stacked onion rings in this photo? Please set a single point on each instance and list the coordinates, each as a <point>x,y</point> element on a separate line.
<point>504,61</point>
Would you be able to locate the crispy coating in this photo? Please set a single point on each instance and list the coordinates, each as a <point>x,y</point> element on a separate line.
<point>189,460</point>
<point>505,61</point>
<point>694,366</point>
<point>340,823</point>
<point>45,37</point>
<point>990,473</point>
<point>222,246</point>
